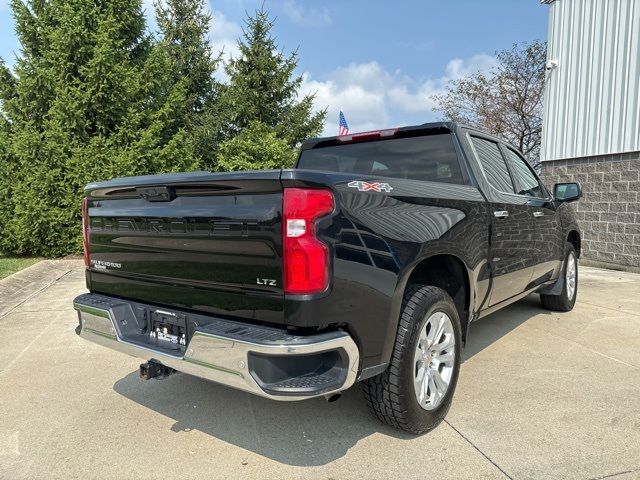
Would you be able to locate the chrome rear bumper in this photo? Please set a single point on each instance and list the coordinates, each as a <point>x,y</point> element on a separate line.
<point>217,352</point>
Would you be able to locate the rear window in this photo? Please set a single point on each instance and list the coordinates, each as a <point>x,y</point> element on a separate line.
<point>432,158</point>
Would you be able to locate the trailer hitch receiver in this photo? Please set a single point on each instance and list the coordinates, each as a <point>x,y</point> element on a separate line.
<point>153,369</point>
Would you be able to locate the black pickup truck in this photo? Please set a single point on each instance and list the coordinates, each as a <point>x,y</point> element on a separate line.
<point>367,263</point>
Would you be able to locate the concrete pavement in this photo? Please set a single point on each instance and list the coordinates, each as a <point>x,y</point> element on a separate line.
<point>540,395</point>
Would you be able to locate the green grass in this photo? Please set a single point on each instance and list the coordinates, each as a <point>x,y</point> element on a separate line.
<point>10,264</point>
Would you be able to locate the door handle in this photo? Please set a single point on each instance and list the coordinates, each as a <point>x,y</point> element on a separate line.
<point>501,214</point>
<point>538,214</point>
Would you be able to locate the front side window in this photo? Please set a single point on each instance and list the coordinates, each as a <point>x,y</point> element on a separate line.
<point>492,164</point>
<point>526,182</point>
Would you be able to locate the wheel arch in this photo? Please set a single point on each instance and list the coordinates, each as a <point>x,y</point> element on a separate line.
<point>428,270</point>
<point>456,282</point>
<point>574,239</point>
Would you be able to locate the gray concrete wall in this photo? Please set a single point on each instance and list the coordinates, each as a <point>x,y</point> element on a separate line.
<point>609,212</point>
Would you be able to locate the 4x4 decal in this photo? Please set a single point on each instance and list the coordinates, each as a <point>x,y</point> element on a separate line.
<point>370,186</point>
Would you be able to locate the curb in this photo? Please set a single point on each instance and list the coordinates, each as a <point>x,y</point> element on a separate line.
<point>23,285</point>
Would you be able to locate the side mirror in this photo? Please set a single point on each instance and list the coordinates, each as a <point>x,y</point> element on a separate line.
<point>567,192</point>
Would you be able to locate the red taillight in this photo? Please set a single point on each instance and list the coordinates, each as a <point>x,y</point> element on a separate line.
<point>305,257</point>
<point>85,230</point>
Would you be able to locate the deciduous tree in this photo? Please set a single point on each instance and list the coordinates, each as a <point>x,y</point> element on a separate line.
<point>507,101</point>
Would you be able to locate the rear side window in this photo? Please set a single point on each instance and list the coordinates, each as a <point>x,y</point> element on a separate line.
<point>432,158</point>
<point>492,163</point>
<point>526,182</point>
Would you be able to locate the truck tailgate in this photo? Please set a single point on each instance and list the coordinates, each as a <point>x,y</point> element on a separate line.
<point>202,241</point>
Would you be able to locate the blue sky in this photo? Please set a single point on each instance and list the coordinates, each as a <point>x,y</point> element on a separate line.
<point>380,61</point>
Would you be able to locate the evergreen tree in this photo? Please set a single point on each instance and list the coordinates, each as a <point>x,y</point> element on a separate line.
<point>6,170</point>
<point>263,87</point>
<point>89,98</point>
<point>184,28</point>
<point>255,148</point>
<point>184,25</point>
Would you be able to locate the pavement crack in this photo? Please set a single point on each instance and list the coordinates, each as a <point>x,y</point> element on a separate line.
<point>573,342</point>
<point>17,357</point>
<point>479,451</point>
<point>618,310</point>
<point>45,310</point>
<point>612,475</point>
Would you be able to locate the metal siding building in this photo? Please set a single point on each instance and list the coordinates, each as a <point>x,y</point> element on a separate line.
<point>592,102</point>
<point>591,126</point>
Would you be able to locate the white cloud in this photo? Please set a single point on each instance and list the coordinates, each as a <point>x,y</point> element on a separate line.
<point>224,35</point>
<point>458,68</point>
<point>359,90</point>
<point>306,16</point>
<point>372,97</point>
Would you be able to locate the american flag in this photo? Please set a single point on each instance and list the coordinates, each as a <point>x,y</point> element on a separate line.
<point>343,128</point>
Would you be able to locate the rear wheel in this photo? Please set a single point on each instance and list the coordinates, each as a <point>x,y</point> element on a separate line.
<point>567,297</point>
<point>415,392</point>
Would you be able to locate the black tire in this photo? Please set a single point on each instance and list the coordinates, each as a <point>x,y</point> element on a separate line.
<point>391,396</point>
<point>563,302</point>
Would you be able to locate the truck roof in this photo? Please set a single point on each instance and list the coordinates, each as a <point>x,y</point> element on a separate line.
<point>327,141</point>
<point>433,127</point>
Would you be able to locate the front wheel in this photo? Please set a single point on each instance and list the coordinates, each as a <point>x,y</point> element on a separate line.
<point>415,392</point>
<point>567,297</point>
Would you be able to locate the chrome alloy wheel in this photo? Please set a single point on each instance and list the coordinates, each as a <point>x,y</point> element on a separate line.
<point>571,275</point>
<point>434,360</point>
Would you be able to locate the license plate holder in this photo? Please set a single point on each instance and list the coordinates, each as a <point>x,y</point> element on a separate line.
<point>168,329</point>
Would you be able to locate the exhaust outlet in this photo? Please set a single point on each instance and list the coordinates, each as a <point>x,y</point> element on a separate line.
<point>333,397</point>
